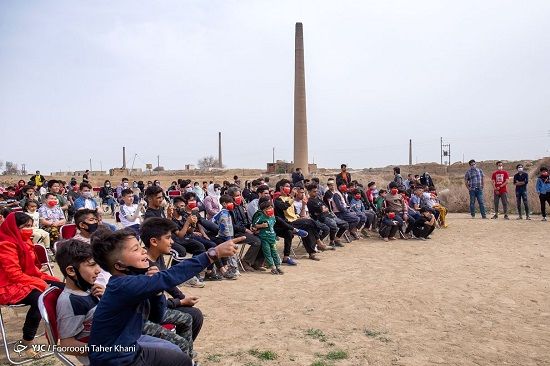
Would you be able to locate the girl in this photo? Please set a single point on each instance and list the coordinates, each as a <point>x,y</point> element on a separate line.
<point>21,282</point>
<point>107,196</point>
<point>38,235</point>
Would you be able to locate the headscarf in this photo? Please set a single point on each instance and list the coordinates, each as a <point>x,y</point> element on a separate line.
<point>11,233</point>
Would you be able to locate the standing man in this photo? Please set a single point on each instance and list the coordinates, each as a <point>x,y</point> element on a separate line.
<point>500,180</point>
<point>473,179</point>
<point>38,179</point>
<point>520,181</point>
<point>343,177</point>
<point>298,178</point>
<point>543,189</point>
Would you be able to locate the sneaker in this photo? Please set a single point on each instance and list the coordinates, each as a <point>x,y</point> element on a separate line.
<point>259,268</point>
<point>279,271</point>
<point>301,233</point>
<point>527,218</point>
<point>289,261</point>
<point>495,216</point>
<point>213,277</point>
<point>385,239</point>
<point>313,257</point>
<point>506,217</point>
<point>274,272</point>
<point>230,275</point>
<point>521,218</point>
<point>338,243</point>
<point>392,238</point>
<point>194,282</point>
<point>248,267</point>
<point>544,219</point>
<point>484,217</point>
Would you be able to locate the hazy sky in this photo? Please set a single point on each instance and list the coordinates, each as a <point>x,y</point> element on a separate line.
<point>80,79</point>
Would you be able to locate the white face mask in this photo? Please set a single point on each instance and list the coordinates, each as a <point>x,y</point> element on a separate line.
<point>87,194</point>
<point>520,169</point>
<point>125,185</point>
<point>500,167</point>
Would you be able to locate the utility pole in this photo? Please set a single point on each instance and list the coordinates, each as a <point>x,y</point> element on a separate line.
<point>91,164</point>
<point>158,161</point>
<point>410,152</point>
<point>441,146</point>
<point>273,155</point>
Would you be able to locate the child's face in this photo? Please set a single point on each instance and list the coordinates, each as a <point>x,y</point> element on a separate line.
<point>383,194</point>
<point>55,188</point>
<point>128,199</point>
<point>88,270</point>
<point>133,254</point>
<point>32,207</point>
<point>164,243</point>
<point>89,220</point>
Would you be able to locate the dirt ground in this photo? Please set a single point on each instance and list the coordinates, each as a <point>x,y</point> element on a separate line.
<point>475,294</point>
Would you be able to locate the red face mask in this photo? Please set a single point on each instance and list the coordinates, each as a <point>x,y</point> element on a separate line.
<point>192,204</point>
<point>544,174</point>
<point>343,188</point>
<point>52,203</point>
<point>394,191</point>
<point>270,212</point>
<point>230,206</point>
<point>357,196</point>
<point>239,200</point>
<point>11,194</point>
<point>26,233</point>
<point>286,190</point>
<point>391,215</point>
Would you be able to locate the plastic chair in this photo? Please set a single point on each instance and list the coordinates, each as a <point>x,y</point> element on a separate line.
<point>68,231</point>
<point>47,303</point>
<point>42,257</point>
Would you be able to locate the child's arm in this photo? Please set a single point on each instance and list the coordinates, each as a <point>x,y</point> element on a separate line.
<point>158,307</point>
<point>258,223</point>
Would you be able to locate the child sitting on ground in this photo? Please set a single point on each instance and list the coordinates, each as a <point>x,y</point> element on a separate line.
<point>388,226</point>
<point>264,221</point>
<point>225,232</point>
<point>131,297</point>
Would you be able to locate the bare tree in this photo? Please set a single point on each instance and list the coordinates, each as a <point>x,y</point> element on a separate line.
<point>208,162</point>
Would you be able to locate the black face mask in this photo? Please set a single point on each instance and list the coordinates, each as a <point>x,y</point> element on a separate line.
<point>92,227</point>
<point>134,271</point>
<point>80,282</point>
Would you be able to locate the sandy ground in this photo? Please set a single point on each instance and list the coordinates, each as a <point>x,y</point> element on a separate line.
<point>476,294</point>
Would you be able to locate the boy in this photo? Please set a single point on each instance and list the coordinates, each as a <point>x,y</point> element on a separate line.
<point>130,298</point>
<point>87,222</point>
<point>156,234</point>
<point>521,179</point>
<point>388,226</point>
<point>424,225</point>
<point>77,303</point>
<point>226,232</point>
<point>264,221</point>
<point>51,216</point>
<point>500,179</point>
<point>130,213</point>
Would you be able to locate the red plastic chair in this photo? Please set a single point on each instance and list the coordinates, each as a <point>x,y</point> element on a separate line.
<point>42,257</point>
<point>47,304</point>
<point>96,189</point>
<point>68,231</point>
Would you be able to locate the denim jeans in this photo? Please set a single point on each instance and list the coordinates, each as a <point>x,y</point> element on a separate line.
<point>477,193</point>
<point>504,198</point>
<point>522,196</point>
